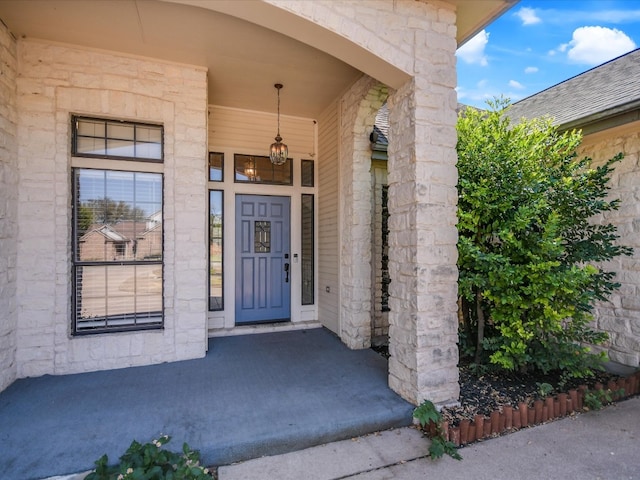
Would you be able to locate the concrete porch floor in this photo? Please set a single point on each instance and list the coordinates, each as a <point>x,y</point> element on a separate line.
<point>250,396</point>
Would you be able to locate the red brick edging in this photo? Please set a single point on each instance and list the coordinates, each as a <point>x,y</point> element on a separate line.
<point>509,418</point>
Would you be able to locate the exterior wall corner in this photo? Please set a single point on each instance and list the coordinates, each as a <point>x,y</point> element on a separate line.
<point>8,209</point>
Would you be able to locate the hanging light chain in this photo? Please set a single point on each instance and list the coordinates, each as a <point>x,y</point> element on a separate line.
<point>279,86</point>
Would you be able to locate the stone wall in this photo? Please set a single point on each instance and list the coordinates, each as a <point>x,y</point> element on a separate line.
<point>54,82</point>
<point>620,316</point>
<point>8,208</point>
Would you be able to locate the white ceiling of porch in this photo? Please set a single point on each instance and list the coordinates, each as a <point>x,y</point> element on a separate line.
<point>244,59</point>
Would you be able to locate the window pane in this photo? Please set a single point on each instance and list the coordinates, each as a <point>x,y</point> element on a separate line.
<point>119,189</point>
<point>118,216</point>
<point>259,169</point>
<point>215,250</point>
<point>90,146</point>
<point>149,134</point>
<point>121,148</point>
<point>149,150</point>
<point>120,131</point>
<point>148,188</point>
<point>216,163</point>
<point>91,128</point>
<point>117,296</point>
<point>307,250</point>
<point>307,173</point>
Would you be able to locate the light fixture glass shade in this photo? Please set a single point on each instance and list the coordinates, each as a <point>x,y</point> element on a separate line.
<point>279,152</point>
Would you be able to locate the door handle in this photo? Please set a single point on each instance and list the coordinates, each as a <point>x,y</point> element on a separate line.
<point>286,270</point>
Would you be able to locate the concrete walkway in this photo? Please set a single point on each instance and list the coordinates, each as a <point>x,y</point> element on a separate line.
<point>594,445</point>
<point>250,396</point>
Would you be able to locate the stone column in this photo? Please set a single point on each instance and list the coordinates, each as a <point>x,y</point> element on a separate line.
<point>422,224</point>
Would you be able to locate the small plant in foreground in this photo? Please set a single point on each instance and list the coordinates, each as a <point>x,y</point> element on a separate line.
<point>427,414</point>
<point>596,399</point>
<point>150,461</point>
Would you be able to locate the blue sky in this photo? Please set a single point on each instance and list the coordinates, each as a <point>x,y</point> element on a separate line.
<point>539,43</point>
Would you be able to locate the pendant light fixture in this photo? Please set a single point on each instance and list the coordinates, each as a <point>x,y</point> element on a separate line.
<point>279,151</point>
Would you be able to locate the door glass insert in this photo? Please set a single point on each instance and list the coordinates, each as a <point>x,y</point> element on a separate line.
<point>262,237</point>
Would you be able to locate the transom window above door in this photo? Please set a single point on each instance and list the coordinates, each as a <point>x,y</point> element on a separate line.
<point>259,169</point>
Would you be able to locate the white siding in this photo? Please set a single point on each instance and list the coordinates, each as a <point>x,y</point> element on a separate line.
<point>255,131</point>
<point>328,216</point>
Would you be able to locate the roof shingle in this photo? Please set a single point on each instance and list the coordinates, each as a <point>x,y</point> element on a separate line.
<point>606,88</point>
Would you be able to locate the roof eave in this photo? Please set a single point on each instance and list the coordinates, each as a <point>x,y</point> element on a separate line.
<point>625,113</point>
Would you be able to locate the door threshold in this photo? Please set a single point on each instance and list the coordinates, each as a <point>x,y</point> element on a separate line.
<point>264,328</point>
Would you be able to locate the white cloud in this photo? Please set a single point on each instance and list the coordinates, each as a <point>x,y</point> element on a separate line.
<point>528,16</point>
<point>531,70</point>
<point>473,51</point>
<point>595,45</point>
<point>516,84</point>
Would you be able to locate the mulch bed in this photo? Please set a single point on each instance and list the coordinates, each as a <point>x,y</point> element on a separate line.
<point>487,397</point>
<point>483,394</point>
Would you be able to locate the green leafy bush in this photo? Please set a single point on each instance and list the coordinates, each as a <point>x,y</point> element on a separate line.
<point>150,461</point>
<point>528,253</point>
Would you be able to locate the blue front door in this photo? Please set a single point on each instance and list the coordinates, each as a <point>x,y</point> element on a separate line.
<point>263,283</point>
